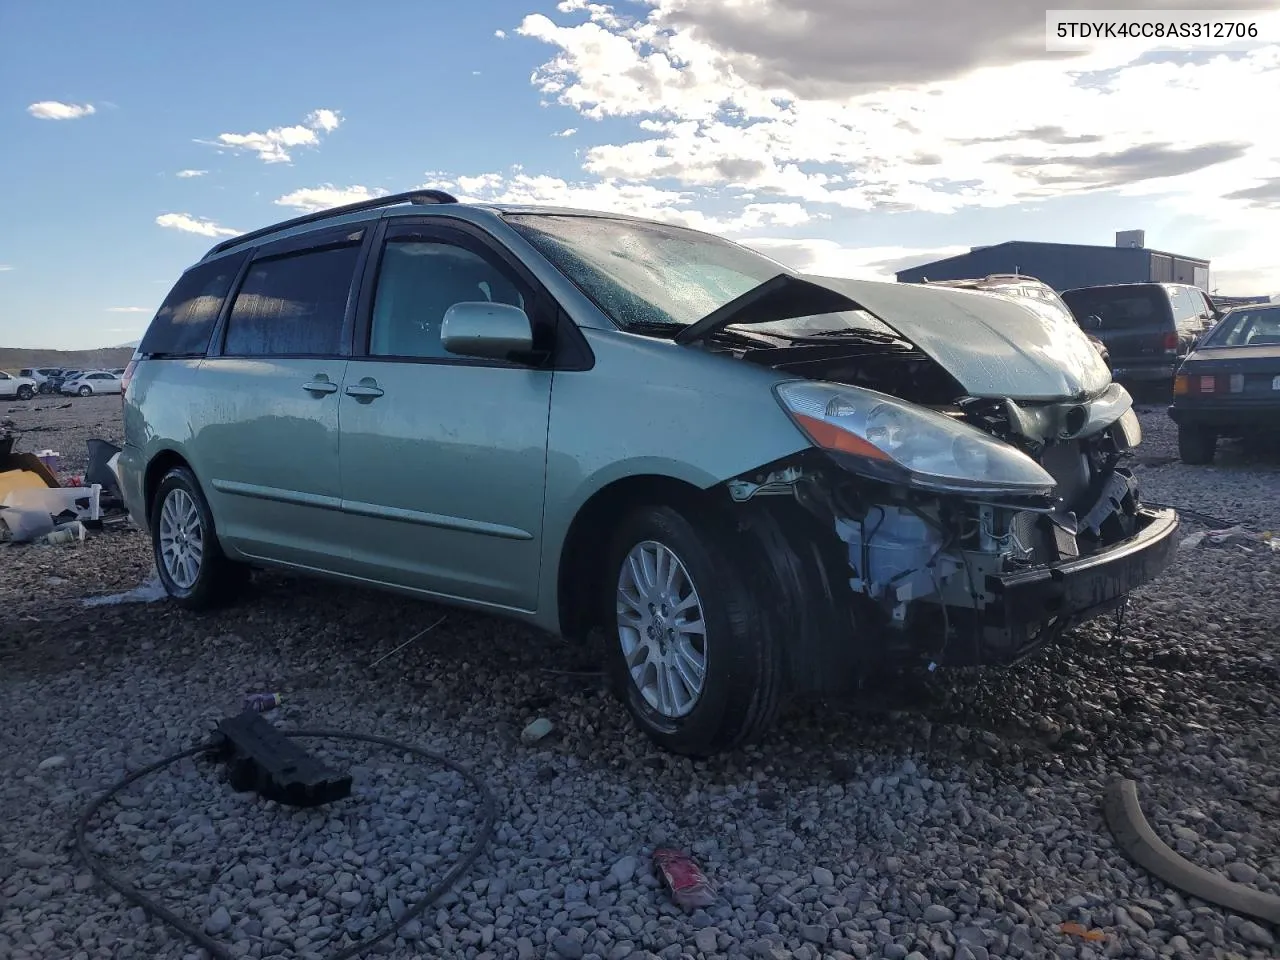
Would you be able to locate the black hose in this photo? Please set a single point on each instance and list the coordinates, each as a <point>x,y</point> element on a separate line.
<point>466,861</point>
<point>1215,522</point>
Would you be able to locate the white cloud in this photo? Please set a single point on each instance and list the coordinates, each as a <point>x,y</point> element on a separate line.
<point>311,199</point>
<point>187,174</point>
<point>567,132</point>
<point>831,259</point>
<point>500,34</point>
<point>274,145</point>
<point>128,310</point>
<point>189,224</point>
<point>56,110</point>
<point>5,267</point>
<point>911,111</point>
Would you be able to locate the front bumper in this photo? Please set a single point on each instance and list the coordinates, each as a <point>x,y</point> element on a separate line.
<point>1073,591</point>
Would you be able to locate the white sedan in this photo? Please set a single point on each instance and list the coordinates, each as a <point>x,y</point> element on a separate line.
<point>20,388</point>
<point>96,381</point>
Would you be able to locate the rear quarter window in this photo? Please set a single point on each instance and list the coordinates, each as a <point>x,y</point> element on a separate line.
<point>293,305</point>
<point>1121,309</point>
<point>184,323</point>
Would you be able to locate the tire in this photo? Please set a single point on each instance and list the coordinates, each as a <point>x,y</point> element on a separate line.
<point>211,579</point>
<point>25,392</point>
<point>1197,445</point>
<point>45,388</point>
<point>742,687</point>
<point>85,391</point>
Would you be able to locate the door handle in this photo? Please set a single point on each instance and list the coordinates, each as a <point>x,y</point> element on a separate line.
<point>364,391</point>
<point>320,386</point>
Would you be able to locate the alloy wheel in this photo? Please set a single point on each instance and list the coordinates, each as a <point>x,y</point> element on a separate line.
<point>181,538</point>
<point>661,629</point>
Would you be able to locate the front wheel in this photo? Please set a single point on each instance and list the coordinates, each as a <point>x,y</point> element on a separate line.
<point>1196,445</point>
<point>192,567</point>
<point>692,651</point>
<point>25,392</point>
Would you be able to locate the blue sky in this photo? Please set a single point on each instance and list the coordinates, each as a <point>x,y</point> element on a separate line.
<point>844,150</point>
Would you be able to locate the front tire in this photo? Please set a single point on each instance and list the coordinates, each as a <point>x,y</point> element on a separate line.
<point>25,393</point>
<point>192,567</point>
<point>1196,445</point>
<point>691,648</point>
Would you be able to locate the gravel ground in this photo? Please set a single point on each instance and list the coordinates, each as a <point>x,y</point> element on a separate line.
<point>942,816</point>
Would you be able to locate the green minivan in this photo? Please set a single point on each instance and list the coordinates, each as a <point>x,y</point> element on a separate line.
<point>752,484</point>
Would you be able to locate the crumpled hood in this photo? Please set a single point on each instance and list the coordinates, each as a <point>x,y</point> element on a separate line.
<point>995,346</point>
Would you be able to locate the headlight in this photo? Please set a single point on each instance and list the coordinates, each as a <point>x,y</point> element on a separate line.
<point>897,442</point>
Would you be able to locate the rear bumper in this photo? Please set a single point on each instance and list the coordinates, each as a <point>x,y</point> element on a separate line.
<point>1253,414</point>
<point>1163,370</point>
<point>132,471</point>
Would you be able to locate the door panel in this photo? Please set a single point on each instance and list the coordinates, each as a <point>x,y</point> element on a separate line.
<point>443,458</point>
<point>266,448</point>
<point>442,477</point>
<point>265,427</point>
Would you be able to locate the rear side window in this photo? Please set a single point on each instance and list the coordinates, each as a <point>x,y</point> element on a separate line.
<point>293,305</point>
<point>185,321</point>
<point>1120,309</point>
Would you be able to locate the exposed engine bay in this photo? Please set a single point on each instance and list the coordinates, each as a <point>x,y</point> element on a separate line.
<point>927,567</point>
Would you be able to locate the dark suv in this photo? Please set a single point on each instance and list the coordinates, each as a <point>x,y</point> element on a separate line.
<point>1148,327</point>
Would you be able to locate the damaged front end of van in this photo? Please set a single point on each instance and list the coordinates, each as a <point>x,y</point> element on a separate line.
<point>965,499</point>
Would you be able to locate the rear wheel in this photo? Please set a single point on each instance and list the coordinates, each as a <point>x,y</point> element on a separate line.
<point>1197,445</point>
<point>194,570</point>
<point>86,390</point>
<point>693,652</point>
<point>25,392</point>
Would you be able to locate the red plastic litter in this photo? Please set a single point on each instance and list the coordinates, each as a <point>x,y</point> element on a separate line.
<point>689,886</point>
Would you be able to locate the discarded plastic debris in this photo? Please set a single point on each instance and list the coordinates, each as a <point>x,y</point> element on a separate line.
<point>149,591</point>
<point>24,524</point>
<point>536,730</point>
<point>262,702</point>
<point>1236,535</point>
<point>49,458</point>
<point>67,533</point>
<point>1080,930</point>
<point>689,886</point>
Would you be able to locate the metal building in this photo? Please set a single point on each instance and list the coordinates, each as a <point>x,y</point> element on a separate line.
<point>1067,265</point>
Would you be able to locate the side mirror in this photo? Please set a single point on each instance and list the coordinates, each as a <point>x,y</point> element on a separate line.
<point>1092,322</point>
<point>492,331</point>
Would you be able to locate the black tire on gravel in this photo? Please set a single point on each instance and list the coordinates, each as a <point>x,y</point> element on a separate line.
<point>1197,445</point>
<point>25,392</point>
<point>219,579</point>
<point>86,391</point>
<point>744,682</point>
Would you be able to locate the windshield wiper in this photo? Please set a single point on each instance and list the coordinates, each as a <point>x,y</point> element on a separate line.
<point>850,333</point>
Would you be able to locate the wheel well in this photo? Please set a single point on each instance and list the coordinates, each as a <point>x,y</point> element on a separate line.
<point>161,464</point>
<point>581,558</point>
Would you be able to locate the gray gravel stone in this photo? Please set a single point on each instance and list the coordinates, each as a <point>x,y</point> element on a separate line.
<point>936,913</point>
<point>219,922</point>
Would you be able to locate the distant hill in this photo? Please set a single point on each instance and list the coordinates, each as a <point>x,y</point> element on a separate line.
<point>14,359</point>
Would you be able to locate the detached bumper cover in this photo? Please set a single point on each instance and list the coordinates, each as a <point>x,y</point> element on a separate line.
<point>1081,589</point>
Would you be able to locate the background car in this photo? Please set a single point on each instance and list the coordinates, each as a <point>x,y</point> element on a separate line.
<point>95,381</point>
<point>19,388</point>
<point>42,377</point>
<point>57,380</point>
<point>1148,328</point>
<point>1229,385</point>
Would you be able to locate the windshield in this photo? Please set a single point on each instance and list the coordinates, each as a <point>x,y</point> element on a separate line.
<point>653,278</point>
<point>1246,328</point>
